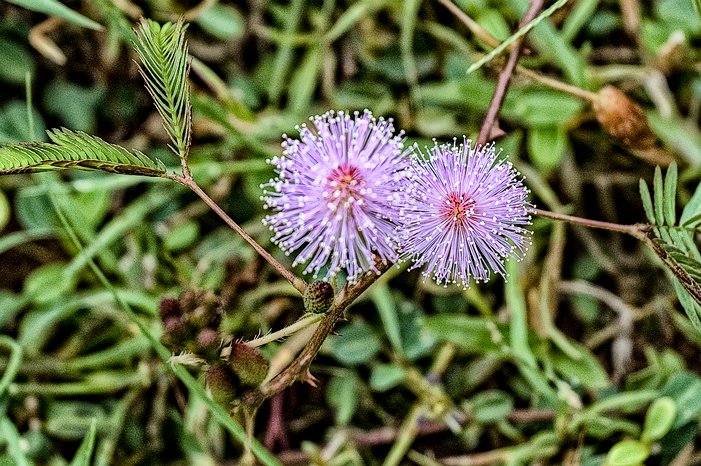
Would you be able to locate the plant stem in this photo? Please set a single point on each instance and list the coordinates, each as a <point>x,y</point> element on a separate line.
<point>505,77</point>
<point>304,322</point>
<point>299,368</point>
<point>638,230</point>
<point>474,27</point>
<point>298,283</point>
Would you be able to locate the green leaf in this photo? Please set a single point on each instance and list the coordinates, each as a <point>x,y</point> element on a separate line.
<point>677,134</point>
<point>304,80</point>
<point>56,8</point>
<point>647,202</point>
<point>692,210</point>
<point>627,453</point>
<point>343,394</point>
<point>386,376</point>
<point>12,441</point>
<point>222,21</point>
<point>685,389</point>
<point>473,334</point>
<point>659,419</point>
<point>491,406</point>
<point>48,283</point>
<point>670,194</point>
<point>357,344</point>
<point>547,146</point>
<point>75,150</point>
<point>658,196</point>
<point>586,371</point>
<point>387,309</point>
<point>84,453</point>
<point>73,420</point>
<point>690,305</point>
<point>165,67</point>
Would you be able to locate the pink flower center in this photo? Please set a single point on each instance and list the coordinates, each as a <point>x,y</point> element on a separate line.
<point>458,207</point>
<point>344,185</point>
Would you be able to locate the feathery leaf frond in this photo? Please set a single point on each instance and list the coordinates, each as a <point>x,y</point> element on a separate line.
<point>165,67</point>
<point>70,149</point>
<point>674,243</point>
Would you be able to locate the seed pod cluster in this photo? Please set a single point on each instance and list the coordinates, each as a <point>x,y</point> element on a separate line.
<point>191,323</point>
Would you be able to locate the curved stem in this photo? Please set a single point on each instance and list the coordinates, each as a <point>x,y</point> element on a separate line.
<point>298,283</point>
<point>638,230</point>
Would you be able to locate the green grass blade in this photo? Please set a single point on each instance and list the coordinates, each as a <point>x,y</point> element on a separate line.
<point>520,33</point>
<point>8,432</point>
<point>233,427</point>
<point>58,9</point>
<point>84,453</point>
<point>12,364</point>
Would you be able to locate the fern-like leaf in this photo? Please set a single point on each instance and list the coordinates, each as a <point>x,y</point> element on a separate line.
<point>165,67</point>
<point>70,149</point>
<point>674,244</point>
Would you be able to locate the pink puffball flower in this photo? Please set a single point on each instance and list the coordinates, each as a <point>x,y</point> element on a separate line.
<point>337,192</point>
<point>465,214</point>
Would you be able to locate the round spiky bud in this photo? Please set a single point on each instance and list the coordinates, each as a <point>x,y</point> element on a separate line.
<point>175,332</point>
<point>222,383</point>
<point>208,343</point>
<point>318,297</point>
<point>622,118</point>
<point>168,307</point>
<point>248,363</point>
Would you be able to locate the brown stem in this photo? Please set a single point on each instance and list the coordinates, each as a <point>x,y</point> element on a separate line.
<point>471,24</point>
<point>299,368</point>
<point>505,76</point>
<point>298,283</point>
<point>638,230</point>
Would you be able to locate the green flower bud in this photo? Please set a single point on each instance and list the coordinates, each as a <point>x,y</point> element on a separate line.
<point>208,341</point>
<point>222,383</point>
<point>318,297</point>
<point>248,363</point>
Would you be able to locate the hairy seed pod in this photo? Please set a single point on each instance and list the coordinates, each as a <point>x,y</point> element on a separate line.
<point>222,383</point>
<point>318,297</point>
<point>248,363</point>
<point>168,307</point>
<point>622,118</point>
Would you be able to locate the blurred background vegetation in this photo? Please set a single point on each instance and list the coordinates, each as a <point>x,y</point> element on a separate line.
<point>585,353</point>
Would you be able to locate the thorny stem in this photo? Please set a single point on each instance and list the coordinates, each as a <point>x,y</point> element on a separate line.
<point>299,368</point>
<point>505,77</point>
<point>187,181</point>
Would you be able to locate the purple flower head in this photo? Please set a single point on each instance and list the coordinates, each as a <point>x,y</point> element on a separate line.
<point>465,214</point>
<point>337,192</point>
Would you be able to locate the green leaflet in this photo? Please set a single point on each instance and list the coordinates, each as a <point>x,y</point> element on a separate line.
<point>71,149</point>
<point>165,67</point>
<point>673,243</point>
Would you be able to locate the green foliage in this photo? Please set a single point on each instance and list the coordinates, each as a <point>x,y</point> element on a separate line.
<point>165,67</point>
<point>479,365</point>
<point>70,149</point>
<point>674,243</point>
<point>56,8</point>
